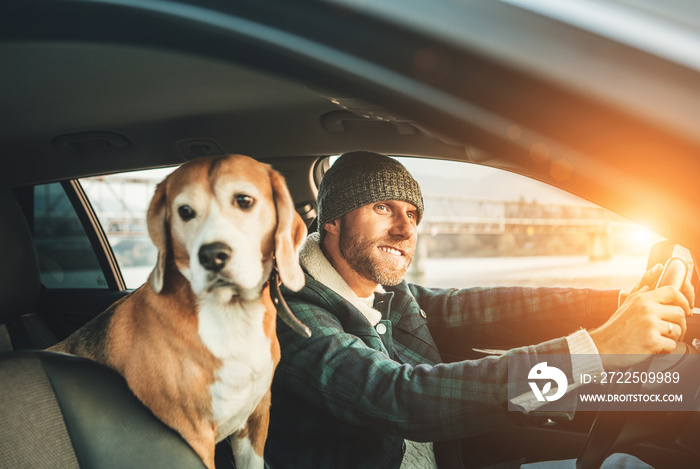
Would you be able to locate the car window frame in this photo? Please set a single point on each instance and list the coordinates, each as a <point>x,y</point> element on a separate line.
<point>91,226</point>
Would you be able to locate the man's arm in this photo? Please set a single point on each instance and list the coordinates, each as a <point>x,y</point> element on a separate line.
<point>508,317</point>
<point>341,374</point>
<point>647,322</point>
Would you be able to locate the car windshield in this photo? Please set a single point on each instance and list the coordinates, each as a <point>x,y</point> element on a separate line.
<point>488,227</point>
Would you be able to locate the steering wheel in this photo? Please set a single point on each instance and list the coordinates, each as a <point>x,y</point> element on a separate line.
<point>612,429</point>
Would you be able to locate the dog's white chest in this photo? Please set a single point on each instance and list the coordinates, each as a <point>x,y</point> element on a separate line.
<point>235,334</point>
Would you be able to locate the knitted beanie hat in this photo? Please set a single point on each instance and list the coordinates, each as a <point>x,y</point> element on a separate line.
<point>359,178</point>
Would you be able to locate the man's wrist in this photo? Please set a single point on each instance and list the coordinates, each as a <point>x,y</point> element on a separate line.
<point>585,358</point>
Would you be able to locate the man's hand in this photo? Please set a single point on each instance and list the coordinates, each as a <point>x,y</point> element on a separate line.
<point>647,322</point>
<point>650,278</point>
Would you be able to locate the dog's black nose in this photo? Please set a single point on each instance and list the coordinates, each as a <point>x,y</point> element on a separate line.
<point>214,256</point>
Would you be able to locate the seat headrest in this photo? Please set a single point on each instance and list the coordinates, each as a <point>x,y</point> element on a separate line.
<point>19,269</point>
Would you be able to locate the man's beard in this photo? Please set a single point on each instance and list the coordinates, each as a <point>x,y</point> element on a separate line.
<point>363,256</point>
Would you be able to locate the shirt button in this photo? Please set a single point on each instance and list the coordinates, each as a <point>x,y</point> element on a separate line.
<point>422,313</point>
<point>381,329</point>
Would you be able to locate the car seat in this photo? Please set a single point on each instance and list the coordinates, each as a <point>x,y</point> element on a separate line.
<point>59,410</point>
<point>20,327</point>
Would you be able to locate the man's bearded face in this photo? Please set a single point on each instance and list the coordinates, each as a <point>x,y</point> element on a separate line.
<point>375,256</point>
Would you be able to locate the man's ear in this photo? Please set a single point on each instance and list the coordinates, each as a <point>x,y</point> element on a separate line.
<point>332,226</point>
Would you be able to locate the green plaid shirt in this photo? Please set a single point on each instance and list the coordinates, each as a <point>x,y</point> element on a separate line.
<point>348,396</point>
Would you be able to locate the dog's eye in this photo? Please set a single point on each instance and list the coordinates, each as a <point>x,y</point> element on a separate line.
<point>245,201</point>
<point>186,212</point>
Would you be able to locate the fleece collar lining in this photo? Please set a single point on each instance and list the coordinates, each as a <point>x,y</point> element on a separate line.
<point>314,261</point>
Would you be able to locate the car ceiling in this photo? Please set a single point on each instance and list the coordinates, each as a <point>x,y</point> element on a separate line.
<point>485,82</point>
<point>159,101</point>
<point>61,82</point>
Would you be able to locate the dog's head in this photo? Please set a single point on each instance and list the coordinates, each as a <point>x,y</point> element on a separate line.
<point>224,221</point>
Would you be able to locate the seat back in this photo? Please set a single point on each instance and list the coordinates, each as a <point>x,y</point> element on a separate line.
<point>19,269</point>
<point>68,412</point>
<point>20,284</point>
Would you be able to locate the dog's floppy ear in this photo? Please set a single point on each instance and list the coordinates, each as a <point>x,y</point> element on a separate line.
<point>289,235</point>
<point>157,227</point>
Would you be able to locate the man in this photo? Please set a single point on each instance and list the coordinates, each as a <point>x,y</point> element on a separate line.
<point>370,383</point>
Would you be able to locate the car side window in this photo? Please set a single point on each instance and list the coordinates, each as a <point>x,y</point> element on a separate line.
<point>120,202</point>
<point>66,256</point>
<point>488,227</point>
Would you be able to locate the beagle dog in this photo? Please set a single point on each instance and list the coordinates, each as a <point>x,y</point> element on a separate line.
<point>197,342</point>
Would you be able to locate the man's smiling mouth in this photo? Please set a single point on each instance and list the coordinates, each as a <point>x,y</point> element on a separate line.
<point>391,250</point>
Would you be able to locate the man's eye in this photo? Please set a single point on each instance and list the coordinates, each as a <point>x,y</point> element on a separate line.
<point>186,212</point>
<point>382,208</point>
<point>245,201</point>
